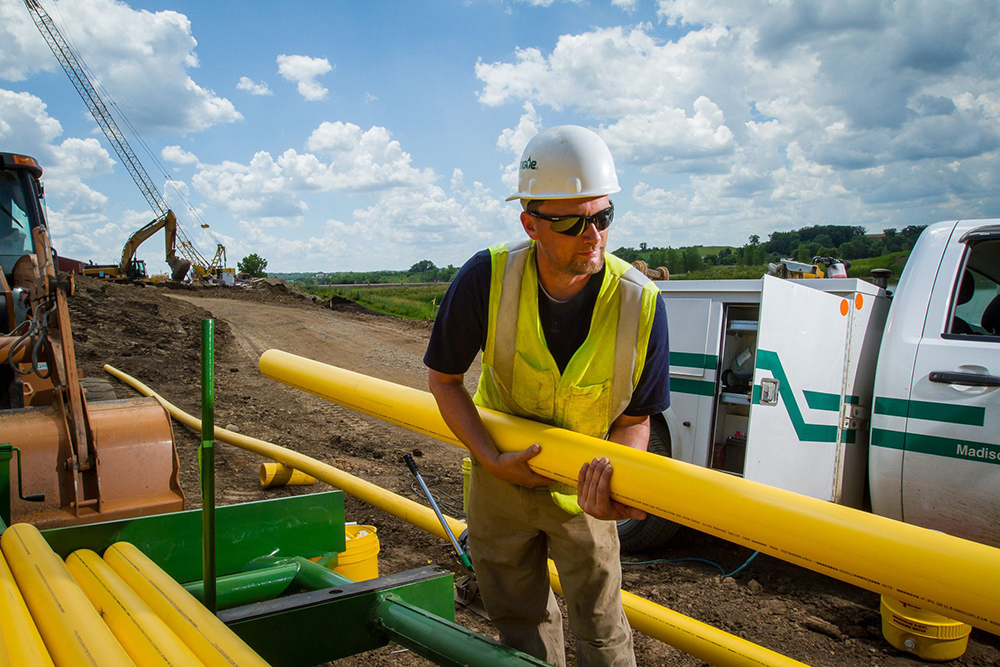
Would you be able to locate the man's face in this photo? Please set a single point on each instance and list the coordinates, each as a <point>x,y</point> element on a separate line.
<point>569,255</point>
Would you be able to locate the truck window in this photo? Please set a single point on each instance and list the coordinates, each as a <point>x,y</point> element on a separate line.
<point>977,296</point>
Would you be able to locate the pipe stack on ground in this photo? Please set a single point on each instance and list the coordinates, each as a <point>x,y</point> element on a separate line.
<point>71,628</point>
<point>934,571</point>
<point>122,610</point>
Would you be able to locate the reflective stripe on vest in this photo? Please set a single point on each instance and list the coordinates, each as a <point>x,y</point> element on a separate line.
<point>635,296</point>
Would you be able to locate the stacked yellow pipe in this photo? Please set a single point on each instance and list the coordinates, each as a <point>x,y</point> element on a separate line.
<point>207,637</point>
<point>73,631</point>
<point>21,642</point>
<point>144,635</point>
<point>693,637</point>
<point>934,571</point>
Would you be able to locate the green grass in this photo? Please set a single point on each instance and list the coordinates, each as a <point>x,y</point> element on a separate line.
<point>415,303</point>
<point>895,261</point>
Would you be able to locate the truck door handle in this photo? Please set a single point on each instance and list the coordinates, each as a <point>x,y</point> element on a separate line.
<point>965,379</point>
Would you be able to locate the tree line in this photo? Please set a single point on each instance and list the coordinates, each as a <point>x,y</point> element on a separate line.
<point>843,241</point>
<point>424,271</point>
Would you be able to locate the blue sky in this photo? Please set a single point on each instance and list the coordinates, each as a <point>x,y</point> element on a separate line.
<point>356,136</point>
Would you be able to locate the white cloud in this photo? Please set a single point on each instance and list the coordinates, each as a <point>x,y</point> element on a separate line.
<point>73,207</point>
<point>248,85</point>
<point>178,155</point>
<point>342,158</point>
<point>258,190</point>
<point>303,71</point>
<point>141,58</point>
<point>768,113</point>
<point>626,5</point>
<point>513,140</point>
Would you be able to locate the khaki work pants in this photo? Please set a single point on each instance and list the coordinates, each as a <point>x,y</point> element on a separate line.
<point>512,531</point>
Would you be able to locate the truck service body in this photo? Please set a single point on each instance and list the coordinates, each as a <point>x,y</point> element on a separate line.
<point>834,389</point>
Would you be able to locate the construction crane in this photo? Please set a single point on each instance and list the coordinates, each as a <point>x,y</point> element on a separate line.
<point>203,268</point>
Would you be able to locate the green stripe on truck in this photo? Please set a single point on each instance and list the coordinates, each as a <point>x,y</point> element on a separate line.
<point>951,448</point>
<point>938,412</point>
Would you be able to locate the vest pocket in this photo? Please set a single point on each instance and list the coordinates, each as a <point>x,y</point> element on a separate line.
<point>588,409</point>
<point>534,388</point>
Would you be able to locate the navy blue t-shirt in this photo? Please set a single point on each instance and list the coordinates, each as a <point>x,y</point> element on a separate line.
<point>460,332</point>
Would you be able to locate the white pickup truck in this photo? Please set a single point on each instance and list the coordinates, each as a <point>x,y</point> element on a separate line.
<point>833,389</point>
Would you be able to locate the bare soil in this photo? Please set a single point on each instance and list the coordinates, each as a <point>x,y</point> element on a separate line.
<point>153,333</point>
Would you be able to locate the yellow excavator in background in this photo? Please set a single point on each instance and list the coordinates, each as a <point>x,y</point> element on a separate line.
<point>132,268</point>
<point>80,456</point>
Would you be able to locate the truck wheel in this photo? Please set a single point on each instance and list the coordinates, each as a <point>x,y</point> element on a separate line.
<point>653,531</point>
<point>97,389</point>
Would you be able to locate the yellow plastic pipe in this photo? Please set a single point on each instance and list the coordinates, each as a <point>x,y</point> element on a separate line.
<point>670,627</point>
<point>273,473</point>
<point>23,644</point>
<point>208,637</point>
<point>948,575</point>
<point>73,631</point>
<point>143,634</point>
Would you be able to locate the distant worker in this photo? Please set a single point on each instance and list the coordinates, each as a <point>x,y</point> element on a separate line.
<point>574,337</point>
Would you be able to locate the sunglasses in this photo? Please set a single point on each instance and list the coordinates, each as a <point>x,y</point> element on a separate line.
<point>574,225</point>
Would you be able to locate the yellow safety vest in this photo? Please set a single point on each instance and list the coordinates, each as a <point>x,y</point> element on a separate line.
<point>520,375</point>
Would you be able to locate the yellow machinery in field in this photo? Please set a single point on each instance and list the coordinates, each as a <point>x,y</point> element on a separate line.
<point>131,268</point>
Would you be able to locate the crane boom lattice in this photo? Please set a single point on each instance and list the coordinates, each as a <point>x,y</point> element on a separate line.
<point>77,74</point>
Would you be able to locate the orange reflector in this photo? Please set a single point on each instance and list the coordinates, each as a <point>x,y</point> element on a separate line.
<point>26,161</point>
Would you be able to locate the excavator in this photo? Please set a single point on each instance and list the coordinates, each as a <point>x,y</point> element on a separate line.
<point>130,268</point>
<point>80,457</point>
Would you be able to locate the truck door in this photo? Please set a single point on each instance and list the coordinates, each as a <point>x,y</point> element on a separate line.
<point>793,439</point>
<point>951,459</point>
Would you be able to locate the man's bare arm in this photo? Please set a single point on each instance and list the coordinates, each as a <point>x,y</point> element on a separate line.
<point>462,417</point>
<point>594,481</point>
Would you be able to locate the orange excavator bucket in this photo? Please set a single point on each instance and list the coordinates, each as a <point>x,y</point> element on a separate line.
<point>136,464</point>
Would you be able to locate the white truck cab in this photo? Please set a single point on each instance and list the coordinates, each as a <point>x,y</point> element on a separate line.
<point>821,387</point>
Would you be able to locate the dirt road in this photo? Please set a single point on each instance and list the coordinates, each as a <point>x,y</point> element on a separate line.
<point>152,334</point>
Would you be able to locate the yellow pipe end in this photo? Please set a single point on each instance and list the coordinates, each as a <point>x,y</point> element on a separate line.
<point>277,474</point>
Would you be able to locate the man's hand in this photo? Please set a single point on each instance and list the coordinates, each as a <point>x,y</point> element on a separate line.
<point>593,492</point>
<point>512,467</point>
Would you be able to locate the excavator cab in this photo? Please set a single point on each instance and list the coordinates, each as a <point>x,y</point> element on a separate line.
<point>80,459</point>
<point>19,212</point>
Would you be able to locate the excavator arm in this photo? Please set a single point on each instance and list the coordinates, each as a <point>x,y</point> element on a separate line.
<point>168,223</point>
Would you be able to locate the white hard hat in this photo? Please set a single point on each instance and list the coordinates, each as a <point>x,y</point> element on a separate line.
<point>566,162</point>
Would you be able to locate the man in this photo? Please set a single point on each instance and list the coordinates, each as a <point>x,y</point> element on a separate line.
<point>573,337</point>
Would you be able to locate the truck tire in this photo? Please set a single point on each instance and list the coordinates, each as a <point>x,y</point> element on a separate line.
<point>653,531</point>
<point>97,389</point>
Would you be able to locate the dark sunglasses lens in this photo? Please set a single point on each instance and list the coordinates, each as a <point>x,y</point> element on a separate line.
<point>574,226</point>
<point>570,226</point>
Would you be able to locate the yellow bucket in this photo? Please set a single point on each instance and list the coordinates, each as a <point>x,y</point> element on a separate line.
<point>466,475</point>
<point>359,561</point>
<point>927,635</point>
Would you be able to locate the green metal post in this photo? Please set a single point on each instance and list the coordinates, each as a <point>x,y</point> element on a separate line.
<point>206,458</point>
<point>6,451</point>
